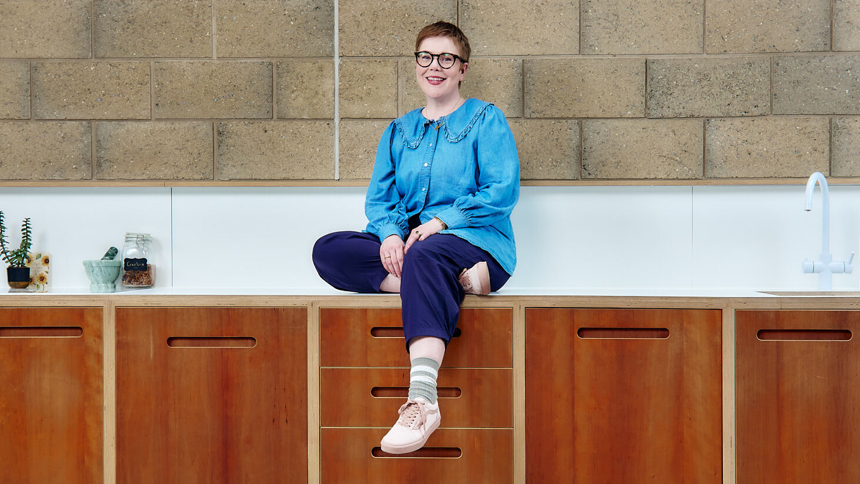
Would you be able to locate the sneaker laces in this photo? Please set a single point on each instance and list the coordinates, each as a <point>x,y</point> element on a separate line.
<point>412,414</point>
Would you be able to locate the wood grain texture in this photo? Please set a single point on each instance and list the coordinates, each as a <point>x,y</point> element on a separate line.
<point>51,391</point>
<point>486,399</point>
<point>623,410</point>
<point>486,339</point>
<point>487,457</point>
<point>798,402</point>
<point>214,415</point>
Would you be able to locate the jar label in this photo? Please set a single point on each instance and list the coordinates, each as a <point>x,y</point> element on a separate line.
<point>134,264</point>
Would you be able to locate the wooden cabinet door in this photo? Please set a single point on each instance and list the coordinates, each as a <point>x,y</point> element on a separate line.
<point>472,456</point>
<point>798,397</point>
<point>51,398</point>
<point>468,397</point>
<point>374,337</point>
<point>623,396</point>
<point>214,395</point>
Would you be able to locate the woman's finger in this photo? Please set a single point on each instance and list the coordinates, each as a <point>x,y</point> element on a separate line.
<point>397,261</point>
<point>413,237</point>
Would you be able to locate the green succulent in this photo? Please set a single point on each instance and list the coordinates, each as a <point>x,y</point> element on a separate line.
<point>17,257</point>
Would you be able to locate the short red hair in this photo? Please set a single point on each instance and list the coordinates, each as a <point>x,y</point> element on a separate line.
<point>445,29</point>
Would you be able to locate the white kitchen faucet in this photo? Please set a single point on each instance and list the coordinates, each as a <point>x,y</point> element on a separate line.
<point>825,266</point>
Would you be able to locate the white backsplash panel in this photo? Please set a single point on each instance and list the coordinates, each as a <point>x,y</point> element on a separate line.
<point>756,237</point>
<point>570,239</point>
<point>76,224</point>
<point>603,237</point>
<point>257,237</point>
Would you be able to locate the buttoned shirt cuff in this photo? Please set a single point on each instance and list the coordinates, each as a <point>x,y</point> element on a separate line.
<point>453,218</point>
<point>388,230</point>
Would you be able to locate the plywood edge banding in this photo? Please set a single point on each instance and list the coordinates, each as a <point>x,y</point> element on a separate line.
<point>804,335</point>
<point>41,332</point>
<point>403,392</point>
<point>622,333</point>
<point>212,342</point>
<point>397,332</point>
<point>423,453</point>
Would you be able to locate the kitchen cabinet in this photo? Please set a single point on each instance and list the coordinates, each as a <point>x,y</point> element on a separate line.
<point>215,395</point>
<point>623,395</point>
<point>51,395</point>
<point>798,396</point>
<point>364,378</point>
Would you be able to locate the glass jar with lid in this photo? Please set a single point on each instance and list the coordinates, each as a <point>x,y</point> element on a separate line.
<point>137,267</point>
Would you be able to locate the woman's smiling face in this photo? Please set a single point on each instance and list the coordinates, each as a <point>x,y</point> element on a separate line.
<point>437,83</point>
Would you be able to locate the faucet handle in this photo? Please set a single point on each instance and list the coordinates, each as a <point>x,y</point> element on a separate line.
<point>839,267</point>
<point>808,266</point>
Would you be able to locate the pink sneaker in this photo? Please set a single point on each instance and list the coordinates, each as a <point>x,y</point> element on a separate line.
<point>476,280</point>
<point>418,419</point>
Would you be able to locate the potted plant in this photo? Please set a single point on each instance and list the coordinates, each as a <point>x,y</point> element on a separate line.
<point>18,274</point>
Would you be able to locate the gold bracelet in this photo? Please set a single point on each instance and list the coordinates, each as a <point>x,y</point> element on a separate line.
<point>444,225</point>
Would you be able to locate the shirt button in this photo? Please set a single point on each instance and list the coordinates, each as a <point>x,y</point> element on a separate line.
<point>425,164</point>
<point>423,189</point>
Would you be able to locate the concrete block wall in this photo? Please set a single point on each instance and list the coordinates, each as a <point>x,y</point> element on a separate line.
<point>287,90</point>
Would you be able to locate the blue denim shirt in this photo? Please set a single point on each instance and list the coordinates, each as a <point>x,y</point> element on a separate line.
<point>462,168</point>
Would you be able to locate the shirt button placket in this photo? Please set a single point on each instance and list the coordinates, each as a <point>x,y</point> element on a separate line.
<point>431,152</point>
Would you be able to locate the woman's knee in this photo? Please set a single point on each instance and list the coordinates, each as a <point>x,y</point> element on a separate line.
<point>417,252</point>
<point>320,250</point>
<point>327,251</point>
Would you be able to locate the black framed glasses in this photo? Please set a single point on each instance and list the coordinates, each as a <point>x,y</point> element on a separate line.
<point>446,60</point>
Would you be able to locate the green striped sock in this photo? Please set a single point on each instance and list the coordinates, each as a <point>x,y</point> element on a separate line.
<point>422,379</point>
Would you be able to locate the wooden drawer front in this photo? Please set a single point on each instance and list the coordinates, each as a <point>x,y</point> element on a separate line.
<point>630,396</point>
<point>485,339</point>
<point>486,456</point>
<point>485,397</point>
<point>798,395</point>
<point>51,395</point>
<point>215,395</point>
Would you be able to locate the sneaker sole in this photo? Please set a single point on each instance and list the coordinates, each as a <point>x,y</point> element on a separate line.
<point>405,449</point>
<point>484,278</point>
<point>482,282</point>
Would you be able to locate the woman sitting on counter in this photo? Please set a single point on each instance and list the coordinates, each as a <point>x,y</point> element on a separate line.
<point>444,184</point>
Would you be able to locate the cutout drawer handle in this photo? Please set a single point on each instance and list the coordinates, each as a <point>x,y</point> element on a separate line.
<point>397,332</point>
<point>212,342</point>
<point>803,335</point>
<point>623,333</point>
<point>431,452</point>
<point>41,332</point>
<point>403,392</point>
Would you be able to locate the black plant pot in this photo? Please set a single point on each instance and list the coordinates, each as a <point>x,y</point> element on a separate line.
<point>18,277</point>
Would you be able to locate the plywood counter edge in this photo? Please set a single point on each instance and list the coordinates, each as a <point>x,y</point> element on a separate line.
<point>393,300</point>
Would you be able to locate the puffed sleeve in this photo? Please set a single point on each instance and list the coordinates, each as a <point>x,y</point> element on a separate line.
<point>498,176</point>
<point>383,204</point>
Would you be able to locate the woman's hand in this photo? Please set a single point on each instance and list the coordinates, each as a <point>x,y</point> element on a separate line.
<point>391,252</point>
<point>423,231</point>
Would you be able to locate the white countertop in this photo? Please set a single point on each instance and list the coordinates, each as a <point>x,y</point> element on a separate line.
<point>512,292</point>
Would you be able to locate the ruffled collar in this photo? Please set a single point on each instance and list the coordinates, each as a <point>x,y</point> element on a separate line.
<point>412,125</point>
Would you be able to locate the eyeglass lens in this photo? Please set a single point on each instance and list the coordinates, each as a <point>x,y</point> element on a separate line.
<point>446,60</point>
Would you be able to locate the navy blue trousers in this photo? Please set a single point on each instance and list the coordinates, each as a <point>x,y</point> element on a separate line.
<point>430,290</point>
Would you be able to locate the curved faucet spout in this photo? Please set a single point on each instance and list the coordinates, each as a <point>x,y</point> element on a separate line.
<point>825,207</point>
